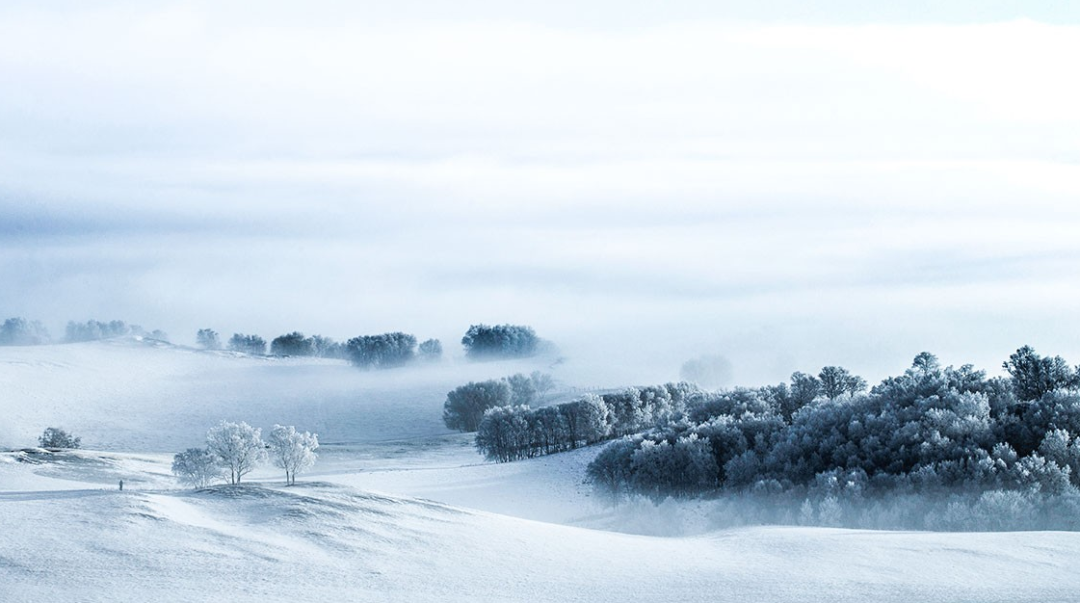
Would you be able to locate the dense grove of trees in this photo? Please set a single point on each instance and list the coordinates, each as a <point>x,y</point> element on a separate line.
<point>465,406</point>
<point>514,431</point>
<point>208,339</point>
<point>381,351</point>
<point>54,437</point>
<point>93,330</point>
<point>19,331</point>
<point>247,344</point>
<point>430,349</point>
<point>500,341</point>
<point>929,430</point>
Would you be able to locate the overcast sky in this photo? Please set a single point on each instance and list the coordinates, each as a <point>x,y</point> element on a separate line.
<point>790,186</point>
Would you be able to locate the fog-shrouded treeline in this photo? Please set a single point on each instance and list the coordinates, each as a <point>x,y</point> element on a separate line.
<point>965,445</point>
<point>20,331</point>
<point>385,350</point>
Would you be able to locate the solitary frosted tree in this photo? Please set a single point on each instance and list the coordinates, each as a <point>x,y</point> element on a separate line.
<point>196,467</point>
<point>292,451</point>
<point>237,447</point>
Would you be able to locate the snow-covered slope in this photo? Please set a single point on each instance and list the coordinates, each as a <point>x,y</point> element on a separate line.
<point>321,542</point>
<point>397,509</point>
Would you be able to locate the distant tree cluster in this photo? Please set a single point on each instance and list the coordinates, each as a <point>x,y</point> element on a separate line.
<point>234,450</point>
<point>295,344</point>
<point>208,339</point>
<point>465,405</point>
<point>512,432</point>
<point>500,341</point>
<point>19,331</point>
<point>929,430</point>
<point>93,330</point>
<point>247,344</point>
<point>54,437</point>
<point>290,344</point>
<point>430,350</point>
<point>381,351</point>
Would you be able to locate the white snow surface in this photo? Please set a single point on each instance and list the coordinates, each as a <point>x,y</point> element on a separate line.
<point>397,508</point>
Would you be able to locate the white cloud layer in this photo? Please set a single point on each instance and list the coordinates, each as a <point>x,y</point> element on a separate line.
<point>787,194</point>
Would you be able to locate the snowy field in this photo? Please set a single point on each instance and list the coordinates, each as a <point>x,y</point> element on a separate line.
<point>397,508</point>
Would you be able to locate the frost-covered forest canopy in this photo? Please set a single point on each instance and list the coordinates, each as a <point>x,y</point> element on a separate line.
<point>932,430</point>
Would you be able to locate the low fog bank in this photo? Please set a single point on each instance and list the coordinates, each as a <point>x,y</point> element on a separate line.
<point>131,395</point>
<point>993,511</point>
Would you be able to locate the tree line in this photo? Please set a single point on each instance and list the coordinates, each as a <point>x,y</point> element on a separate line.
<point>481,342</point>
<point>509,433</point>
<point>384,350</point>
<point>20,331</point>
<point>930,430</point>
<point>508,429</point>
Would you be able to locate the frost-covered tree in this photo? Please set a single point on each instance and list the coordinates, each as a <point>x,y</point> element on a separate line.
<point>500,341</point>
<point>503,434</point>
<point>325,347</point>
<point>543,383</point>
<point>1034,376</point>
<point>238,448</point>
<point>837,381</point>
<point>522,390</point>
<point>19,331</point>
<point>208,339</point>
<point>292,451</point>
<point>292,344</point>
<point>93,330</point>
<point>430,349</point>
<point>248,344</point>
<point>381,351</point>
<point>196,467</point>
<point>54,437</point>
<point>804,389</point>
<point>465,406</point>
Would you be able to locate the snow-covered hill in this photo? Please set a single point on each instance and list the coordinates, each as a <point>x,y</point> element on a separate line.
<point>324,542</point>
